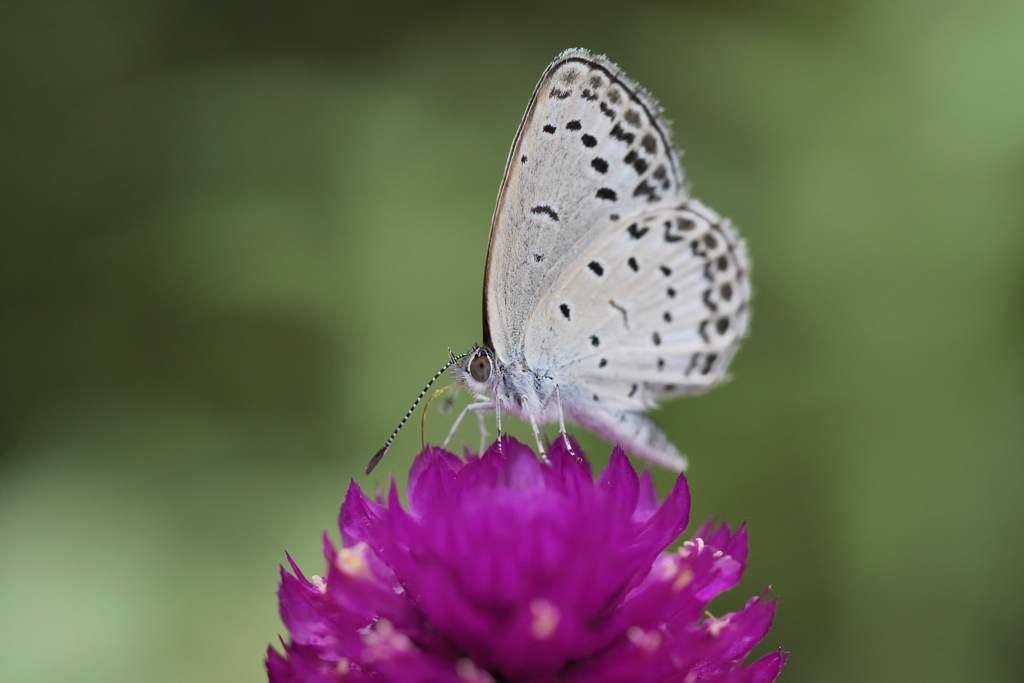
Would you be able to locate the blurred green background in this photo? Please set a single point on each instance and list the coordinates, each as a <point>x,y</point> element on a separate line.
<point>238,237</point>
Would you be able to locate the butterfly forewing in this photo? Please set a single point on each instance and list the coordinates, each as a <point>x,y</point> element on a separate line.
<point>592,148</point>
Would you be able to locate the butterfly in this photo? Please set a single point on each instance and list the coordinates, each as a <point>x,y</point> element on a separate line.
<point>607,287</point>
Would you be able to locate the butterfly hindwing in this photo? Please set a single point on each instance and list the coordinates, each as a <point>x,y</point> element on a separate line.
<point>656,307</point>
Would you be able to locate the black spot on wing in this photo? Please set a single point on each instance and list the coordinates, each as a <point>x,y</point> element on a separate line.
<point>596,267</point>
<point>632,391</point>
<point>633,265</point>
<point>607,111</point>
<point>650,145</point>
<point>644,189</point>
<point>588,95</point>
<point>633,118</point>
<point>546,210</point>
<point>622,135</point>
<point>603,362</point>
<point>565,311</point>
<point>549,129</point>
<point>573,125</point>
<point>570,76</point>
<point>636,161</point>
<point>599,165</point>
<point>708,302</point>
<point>656,338</point>
<point>607,194</point>
<point>665,270</point>
<point>636,232</point>
<point>671,236</point>
<point>588,140</point>
<point>594,341</point>
<point>660,175</point>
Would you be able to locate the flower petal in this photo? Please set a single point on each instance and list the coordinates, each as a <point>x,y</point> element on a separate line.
<point>619,483</point>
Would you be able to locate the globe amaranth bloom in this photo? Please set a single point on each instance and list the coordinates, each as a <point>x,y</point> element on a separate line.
<point>505,568</point>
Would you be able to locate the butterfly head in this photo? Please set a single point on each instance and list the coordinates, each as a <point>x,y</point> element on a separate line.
<point>476,371</point>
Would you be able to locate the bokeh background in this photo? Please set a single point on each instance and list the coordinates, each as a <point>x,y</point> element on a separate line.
<point>237,238</point>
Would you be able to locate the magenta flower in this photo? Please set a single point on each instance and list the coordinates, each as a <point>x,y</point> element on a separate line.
<point>507,569</point>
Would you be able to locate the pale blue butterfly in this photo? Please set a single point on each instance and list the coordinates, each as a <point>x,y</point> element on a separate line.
<point>607,287</point>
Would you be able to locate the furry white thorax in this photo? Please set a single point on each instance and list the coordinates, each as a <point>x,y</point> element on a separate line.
<point>512,388</point>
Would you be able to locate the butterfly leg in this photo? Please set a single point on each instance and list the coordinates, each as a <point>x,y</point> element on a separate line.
<point>497,420</point>
<point>481,403</point>
<point>561,426</point>
<point>536,436</point>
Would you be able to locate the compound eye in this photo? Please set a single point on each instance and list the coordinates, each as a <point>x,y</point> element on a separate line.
<point>480,368</point>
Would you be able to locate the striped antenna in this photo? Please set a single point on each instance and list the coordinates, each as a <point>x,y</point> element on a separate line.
<point>375,460</point>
